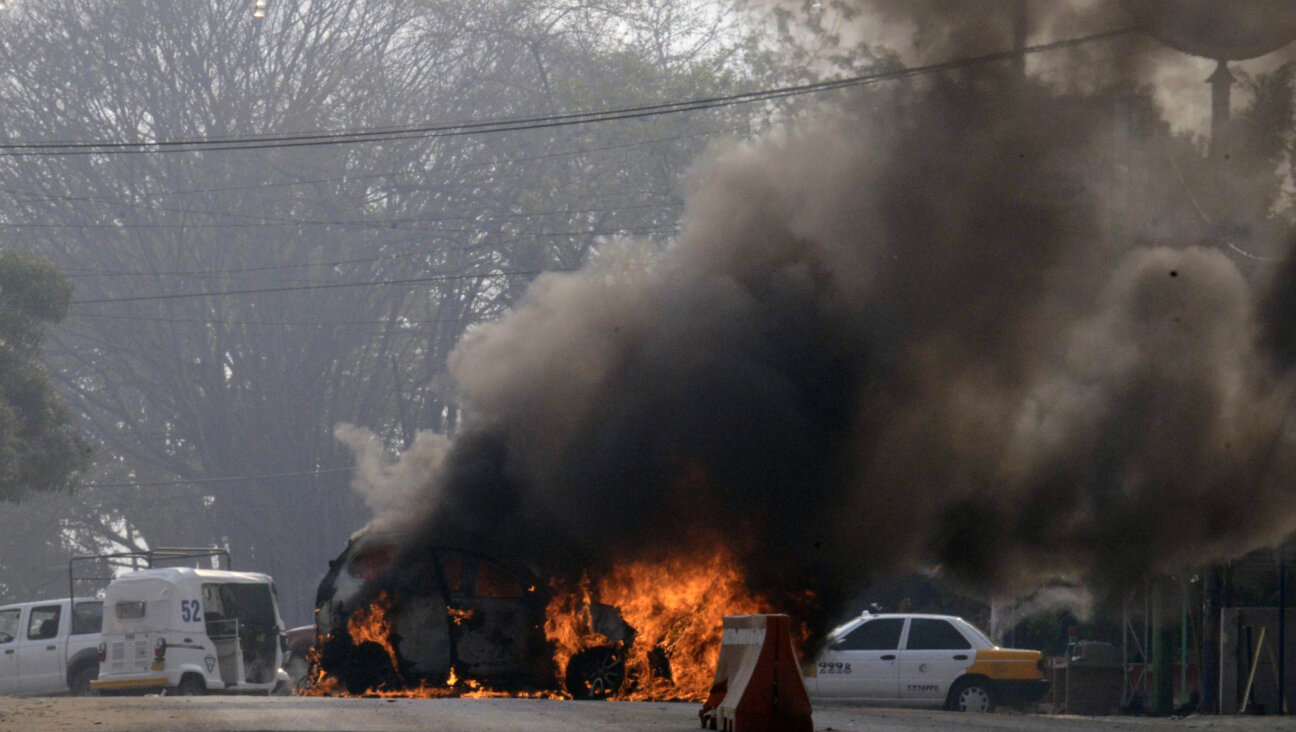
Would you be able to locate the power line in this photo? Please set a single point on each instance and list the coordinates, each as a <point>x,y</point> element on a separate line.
<point>396,174</point>
<point>379,224</point>
<point>266,220</point>
<point>199,481</point>
<point>642,230</point>
<point>320,286</point>
<point>513,124</point>
<point>283,323</point>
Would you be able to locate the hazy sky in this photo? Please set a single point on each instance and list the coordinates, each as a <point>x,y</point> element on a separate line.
<point>930,31</point>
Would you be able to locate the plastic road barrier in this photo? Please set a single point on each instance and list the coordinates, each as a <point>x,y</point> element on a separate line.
<point>758,685</point>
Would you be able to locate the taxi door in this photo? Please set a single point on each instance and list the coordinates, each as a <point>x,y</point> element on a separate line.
<point>935,654</point>
<point>862,664</point>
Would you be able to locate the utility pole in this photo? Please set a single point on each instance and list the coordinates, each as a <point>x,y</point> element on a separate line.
<point>1212,600</point>
<point>1162,660</point>
<point>1282,628</point>
<point>1221,91</point>
<point>1021,30</point>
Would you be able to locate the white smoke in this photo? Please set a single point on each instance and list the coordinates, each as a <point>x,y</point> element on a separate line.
<point>390,487</point>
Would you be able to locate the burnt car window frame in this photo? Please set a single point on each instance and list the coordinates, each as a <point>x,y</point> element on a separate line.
<point>464,564</point>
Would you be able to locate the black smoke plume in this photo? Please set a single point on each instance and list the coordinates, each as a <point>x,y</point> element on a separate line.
<point>895,337</point>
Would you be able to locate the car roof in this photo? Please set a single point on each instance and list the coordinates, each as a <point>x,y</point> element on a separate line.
<point>930,616</point>
<point>866,616</point>
<point>189,574</point>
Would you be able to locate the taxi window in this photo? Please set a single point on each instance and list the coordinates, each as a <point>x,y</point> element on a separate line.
<point>927,634</point>
<point>9,624</point>
<point>87,617</point>
<point>44,622</point>
<point>875,635</point>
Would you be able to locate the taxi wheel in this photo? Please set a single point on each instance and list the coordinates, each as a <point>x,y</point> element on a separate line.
<point>972,695</point>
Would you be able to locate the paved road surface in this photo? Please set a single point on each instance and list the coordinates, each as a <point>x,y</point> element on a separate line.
<point>290,714</point>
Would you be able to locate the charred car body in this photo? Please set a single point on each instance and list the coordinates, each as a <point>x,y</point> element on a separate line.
<point>452,614</point>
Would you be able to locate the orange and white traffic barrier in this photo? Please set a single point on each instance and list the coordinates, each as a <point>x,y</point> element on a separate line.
<point>758,685</point>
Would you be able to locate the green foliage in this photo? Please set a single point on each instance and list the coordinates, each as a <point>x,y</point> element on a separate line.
<point>32,294</point>
<point>39,451</point>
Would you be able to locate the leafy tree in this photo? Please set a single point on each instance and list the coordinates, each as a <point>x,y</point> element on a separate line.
<point>39,449</point>
<point>212,406</point>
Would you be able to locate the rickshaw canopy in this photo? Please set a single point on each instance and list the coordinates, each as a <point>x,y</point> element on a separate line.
<point>181,598</point>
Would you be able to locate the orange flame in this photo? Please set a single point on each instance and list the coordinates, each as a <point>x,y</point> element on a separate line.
<point>317,682</point>
<point>676,607</point>
<point>569,625</point>
<point>370,624</point>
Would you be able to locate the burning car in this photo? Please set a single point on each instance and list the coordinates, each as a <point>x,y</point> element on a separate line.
<point>452,616</point>
<point>300,641</point>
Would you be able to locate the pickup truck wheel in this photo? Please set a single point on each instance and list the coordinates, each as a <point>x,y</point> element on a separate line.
<point>191,685</point>
<point>79,682</point>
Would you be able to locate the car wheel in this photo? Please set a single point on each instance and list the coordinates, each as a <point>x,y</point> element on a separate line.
<point>191,685</point>
<point>79,683</point>
<point>595,674</point>
<point>972,695</point>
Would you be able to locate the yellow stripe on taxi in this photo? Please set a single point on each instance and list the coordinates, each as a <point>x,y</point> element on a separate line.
<point>1006,664</point>
<point>129,683</point>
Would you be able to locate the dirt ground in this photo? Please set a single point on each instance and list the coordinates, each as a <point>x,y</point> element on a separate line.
<point>290,714</point>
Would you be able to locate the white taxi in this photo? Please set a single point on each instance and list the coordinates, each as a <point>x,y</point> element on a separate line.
<point>924,660</point>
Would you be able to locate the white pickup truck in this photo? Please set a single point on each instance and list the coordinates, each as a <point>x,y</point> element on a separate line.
<point>49,647</point>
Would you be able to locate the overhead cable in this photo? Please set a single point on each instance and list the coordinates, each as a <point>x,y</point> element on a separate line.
<point>319,286</point>
<point>513,124</point>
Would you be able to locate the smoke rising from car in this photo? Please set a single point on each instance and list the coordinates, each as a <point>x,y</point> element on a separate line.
<point>885,339</point>
<point>390,488</point>
<point>1076,600</point>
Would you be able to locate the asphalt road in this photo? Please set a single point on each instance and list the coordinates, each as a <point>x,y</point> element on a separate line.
<point>281,714</point>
